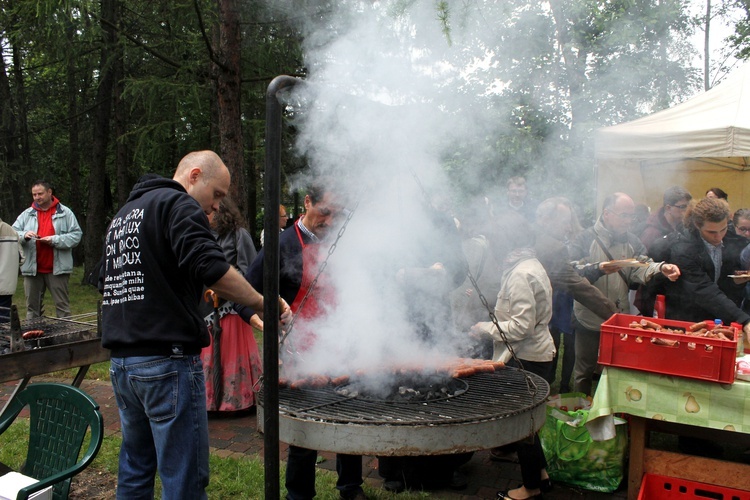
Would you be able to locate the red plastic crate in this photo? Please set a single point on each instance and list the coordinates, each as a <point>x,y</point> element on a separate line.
<point>656,487</point>
<point>693,357</point>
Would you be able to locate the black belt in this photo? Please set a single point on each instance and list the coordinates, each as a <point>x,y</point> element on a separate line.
<point>175,350</point>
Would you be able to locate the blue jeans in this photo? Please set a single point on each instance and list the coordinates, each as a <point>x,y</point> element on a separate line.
<point>162,403</point>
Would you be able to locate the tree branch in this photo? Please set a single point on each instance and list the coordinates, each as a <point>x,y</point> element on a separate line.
<point>211,53</point>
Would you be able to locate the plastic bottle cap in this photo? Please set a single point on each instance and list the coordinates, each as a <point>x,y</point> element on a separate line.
<point>717,322</point>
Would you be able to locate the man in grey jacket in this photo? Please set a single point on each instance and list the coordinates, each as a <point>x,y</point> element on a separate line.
<point>608,240</point>
<point>48,231</point>
<point>11,256</point>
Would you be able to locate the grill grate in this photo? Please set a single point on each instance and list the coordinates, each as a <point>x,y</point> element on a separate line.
<point>56,331</point>
<point>496,395</point>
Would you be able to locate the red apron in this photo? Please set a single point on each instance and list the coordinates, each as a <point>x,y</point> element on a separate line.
<point>317,301</point>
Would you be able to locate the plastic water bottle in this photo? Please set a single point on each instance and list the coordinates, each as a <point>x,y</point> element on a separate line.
<point>660,307</point>
<point>739,334</point>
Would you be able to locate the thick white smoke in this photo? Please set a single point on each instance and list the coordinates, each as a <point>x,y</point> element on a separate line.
<point>382,100</point>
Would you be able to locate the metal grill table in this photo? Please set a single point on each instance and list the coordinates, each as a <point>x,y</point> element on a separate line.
<point>496,409</point>
<point>66,343</point>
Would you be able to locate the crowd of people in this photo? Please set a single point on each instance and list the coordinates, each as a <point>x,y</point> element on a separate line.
<point>177,354</point>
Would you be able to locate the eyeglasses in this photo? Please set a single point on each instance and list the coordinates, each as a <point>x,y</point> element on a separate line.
<point>680,207</point>
<point>743,229</point>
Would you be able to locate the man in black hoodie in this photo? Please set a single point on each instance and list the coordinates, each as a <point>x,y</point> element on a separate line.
<point>159,254</point>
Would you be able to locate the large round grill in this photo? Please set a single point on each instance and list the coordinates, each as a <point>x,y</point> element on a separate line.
<point>496,409</point>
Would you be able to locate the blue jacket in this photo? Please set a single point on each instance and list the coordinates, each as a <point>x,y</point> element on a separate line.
<point>67,236</point>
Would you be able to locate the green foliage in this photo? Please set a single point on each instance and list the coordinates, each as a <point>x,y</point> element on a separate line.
<point>443,15</point>
<point>550,74</point>
<point>739,41</point>
<point>559,72</point>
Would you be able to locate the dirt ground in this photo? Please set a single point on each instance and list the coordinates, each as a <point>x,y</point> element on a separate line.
<point>93,485</point>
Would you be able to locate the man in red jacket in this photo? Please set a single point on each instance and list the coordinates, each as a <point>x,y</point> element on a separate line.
<point>48,231</point>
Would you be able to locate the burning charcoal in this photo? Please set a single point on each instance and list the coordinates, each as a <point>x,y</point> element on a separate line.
<point>347,391</point>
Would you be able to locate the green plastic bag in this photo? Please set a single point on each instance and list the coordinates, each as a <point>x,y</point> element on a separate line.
<point>572,456</point>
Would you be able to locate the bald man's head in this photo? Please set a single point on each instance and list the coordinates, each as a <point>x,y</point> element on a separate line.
<point>205,177</point>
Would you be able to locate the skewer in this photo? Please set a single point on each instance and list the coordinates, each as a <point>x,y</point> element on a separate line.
<point>68,320</point>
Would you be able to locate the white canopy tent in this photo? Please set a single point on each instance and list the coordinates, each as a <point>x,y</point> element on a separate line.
<point>699,144</point>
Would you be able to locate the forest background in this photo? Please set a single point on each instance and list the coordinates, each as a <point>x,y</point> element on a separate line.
<point>94,94</point>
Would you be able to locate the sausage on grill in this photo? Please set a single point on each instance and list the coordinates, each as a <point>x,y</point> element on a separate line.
<point>32,334</point>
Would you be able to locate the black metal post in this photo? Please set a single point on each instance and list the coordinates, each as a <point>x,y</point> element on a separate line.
<point>271,201</point>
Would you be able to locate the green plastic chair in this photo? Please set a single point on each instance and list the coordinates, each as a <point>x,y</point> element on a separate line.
<point>59,417</point>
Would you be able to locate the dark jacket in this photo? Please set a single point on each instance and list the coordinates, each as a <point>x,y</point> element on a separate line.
<point>290,269</point>
<point>159,253</point>
<point>656,227</point>
<point>655,237</point>
<point>553,254</point>
<point>695,296</point>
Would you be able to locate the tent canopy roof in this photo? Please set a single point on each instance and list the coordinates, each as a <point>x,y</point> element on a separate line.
<point>714,124</point>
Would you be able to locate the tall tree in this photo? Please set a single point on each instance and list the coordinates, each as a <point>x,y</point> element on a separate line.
<point>227,64</point>
<point>96,226</point>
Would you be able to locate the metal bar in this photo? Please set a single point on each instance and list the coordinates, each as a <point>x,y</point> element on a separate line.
<point>271,201</point>
<point>80,375</point>
<point>21,385</point>
<point>76,322</point>
<point>16,341</point>
<point>51,359</point>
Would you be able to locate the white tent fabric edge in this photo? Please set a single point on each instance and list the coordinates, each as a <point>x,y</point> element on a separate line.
<point>715,123</point>
<point>701,143</point>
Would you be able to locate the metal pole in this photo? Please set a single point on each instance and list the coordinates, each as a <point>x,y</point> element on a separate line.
<point>271,201</point>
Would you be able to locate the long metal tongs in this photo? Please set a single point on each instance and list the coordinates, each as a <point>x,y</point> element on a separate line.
<point>530,384</point>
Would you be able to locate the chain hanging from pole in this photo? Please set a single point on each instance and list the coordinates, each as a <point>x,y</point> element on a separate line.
<point>529,381</point>
<point>531,385</point>
<point>313,284</point>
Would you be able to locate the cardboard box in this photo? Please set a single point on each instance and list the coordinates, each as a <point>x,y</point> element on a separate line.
<point>11,482</point>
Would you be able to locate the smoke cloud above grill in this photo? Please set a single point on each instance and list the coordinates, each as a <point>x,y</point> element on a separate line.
<point>384,98</point>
